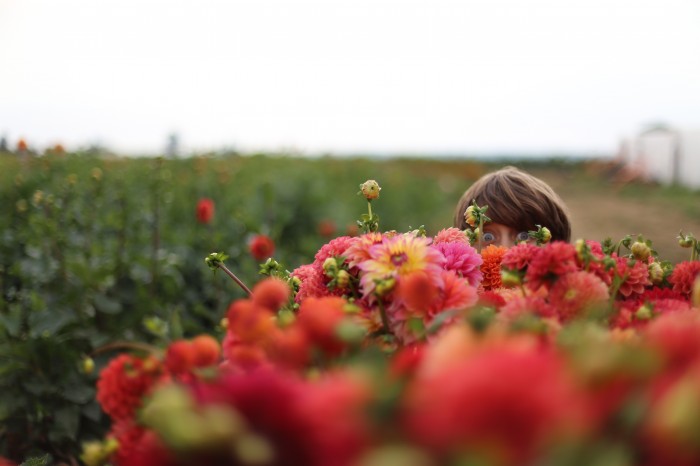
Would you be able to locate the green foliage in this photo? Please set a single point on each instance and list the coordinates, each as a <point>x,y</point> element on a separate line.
<point>95,251</point>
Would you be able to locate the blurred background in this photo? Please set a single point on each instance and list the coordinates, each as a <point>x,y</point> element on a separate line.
<point>377,77</point>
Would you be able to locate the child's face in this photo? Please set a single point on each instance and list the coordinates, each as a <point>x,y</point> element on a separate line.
<point>502,235</point>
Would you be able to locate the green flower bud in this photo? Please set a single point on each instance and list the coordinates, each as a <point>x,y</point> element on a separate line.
<point>695,293</point>
<point>370,189</point>
<point>330,267</point>
<point>88,365</point>
<point>385,286</point>
<point>644,313</point>
<point>342,279</point>
<point>640,251</point>
<point>510,278</point>
<point>656,273</point>
<point>470,216</point>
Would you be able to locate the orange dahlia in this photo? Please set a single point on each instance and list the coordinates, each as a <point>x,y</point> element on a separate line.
<point>491,267</point>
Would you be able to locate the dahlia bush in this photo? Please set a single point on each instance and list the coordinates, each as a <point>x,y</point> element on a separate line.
<point>401,348</point>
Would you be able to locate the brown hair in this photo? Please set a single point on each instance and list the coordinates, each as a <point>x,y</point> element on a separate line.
<point>518,200</point>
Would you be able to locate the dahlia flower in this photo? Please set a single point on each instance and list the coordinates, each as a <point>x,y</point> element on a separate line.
<point>491,266</point>
<point>683,277</point>
<point>463,259</point>
<point>634,274</point>
<point>519,256</point>
<point>400,256</point>
<point>576,292</point>
<point>450,235</point>
<point>553,261</point>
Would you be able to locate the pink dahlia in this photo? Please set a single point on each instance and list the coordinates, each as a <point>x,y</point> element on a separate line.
<point>577,292</point>
<point>527,305</point>
<point>334,248</point>
<point>684,275</point>
<point>462,259</point>
<point>596,266</point>
<point>520,256</point>
<point>399,256</point>
<point>553,261</point>
<point>455,294</point>
<point>312,282</point>
<point>359,250</point>
<point>450,235</point>
<point>635,275</point>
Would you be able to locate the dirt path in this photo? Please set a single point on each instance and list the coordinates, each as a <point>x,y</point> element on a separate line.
<point>600,210</point>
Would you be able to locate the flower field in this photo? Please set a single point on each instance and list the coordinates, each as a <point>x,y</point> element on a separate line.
<point>319,339</point>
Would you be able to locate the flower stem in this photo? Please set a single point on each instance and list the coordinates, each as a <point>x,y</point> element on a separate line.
<point>369,208</point>
<point>385,318</point>
<point>234,277</point>
<point>479,234</point>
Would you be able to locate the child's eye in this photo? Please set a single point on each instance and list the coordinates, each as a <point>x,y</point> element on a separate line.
<point>488,237</point>
<point>522,236</point>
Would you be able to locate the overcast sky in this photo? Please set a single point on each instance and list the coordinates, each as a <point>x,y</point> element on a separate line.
<point>344,76</point>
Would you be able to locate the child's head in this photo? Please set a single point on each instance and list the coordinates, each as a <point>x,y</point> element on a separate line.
<point>517,200</point>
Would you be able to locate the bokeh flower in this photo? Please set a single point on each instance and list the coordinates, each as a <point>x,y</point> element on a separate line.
<point>261,247</point>
<point>577,292</point>
<point>205,210</point>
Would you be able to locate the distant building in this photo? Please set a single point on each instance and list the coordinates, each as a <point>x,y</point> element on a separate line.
<point>664,154</point>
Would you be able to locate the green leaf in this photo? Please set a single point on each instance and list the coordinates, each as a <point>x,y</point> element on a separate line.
<point>12,321</point>
<point>38,461</point>
<point>46,323</point>
<point>175,325</point>
<point>66,423</point>
<point>107,305</point>
<point>92,411</point>
<point>79,394</point>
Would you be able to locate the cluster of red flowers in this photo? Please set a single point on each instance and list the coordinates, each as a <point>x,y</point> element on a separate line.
<point>392,346</point>
<point>128,380</point>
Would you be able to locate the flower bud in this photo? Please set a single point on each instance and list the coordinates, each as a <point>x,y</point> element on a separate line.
<point>656,273</point>
<point>695,293</point>
<point>640,251</point>
<point>644,313</point>
<point>685,241</point>
<point>88,365</point>
<point>546,235</point>
<point>510,278</point>
<point>342,279</point>
<point>330,267</point>
<point>385,286</point>
<point>370,189</point>
<point>93,454</point>
<point>470,216</point>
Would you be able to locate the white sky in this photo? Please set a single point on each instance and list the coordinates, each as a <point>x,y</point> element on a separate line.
<point>351,75</point>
